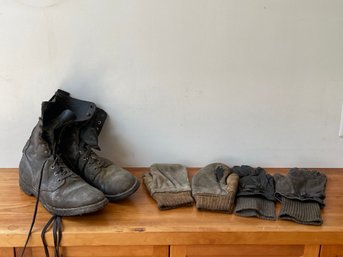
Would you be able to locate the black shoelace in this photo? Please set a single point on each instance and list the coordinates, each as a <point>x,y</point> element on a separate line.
<point>55,220</point>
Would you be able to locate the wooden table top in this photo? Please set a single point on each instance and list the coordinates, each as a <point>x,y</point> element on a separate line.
<point>138,221</point>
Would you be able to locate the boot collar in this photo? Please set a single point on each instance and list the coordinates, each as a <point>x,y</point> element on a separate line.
<point>61,101</point>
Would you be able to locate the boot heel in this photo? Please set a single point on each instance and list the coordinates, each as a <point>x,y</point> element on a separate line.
<point>25,189</point>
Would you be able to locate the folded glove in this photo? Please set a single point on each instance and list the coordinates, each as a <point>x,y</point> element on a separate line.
<point>214,188</point>
<point>255,196</point>
<point>301,193</point>
<point>168,184</point>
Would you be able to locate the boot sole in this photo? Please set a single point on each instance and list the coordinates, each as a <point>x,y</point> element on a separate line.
<point>123,195</point>
<point>65,211</point>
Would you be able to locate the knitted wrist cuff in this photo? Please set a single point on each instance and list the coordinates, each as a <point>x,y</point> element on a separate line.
<point>213,202</point>
<point>172,200</point>
<point>249,206</point>
<point>307,213</point>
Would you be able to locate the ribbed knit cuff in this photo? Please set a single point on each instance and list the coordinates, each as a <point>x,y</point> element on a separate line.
<point>172,200</point>
<point>307,213</point>
<point>248,206</point>
<point>213,202</point>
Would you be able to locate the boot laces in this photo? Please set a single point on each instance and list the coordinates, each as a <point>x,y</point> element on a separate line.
<point>92,158</point>
<point>61,170</point>
<point>55,220</point>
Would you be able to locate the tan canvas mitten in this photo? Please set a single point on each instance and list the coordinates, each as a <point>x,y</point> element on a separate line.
<point>168,184</point>
<point>214,188</point>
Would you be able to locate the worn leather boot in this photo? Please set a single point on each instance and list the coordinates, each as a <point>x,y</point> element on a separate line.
<point>42,172</point>
<point>77,143</point>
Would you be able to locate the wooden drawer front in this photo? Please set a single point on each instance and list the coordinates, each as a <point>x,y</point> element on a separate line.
<point>103,251</point>
<point>7,252</point>
<point>331,251</point>
<point>244,250</point>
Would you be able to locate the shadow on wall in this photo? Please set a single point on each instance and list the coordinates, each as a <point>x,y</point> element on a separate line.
<point>113,146</point>
<point>89,86</point>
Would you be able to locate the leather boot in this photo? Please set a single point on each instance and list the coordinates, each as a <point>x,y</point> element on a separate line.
<point>77,143</point>
<point>42,172</point>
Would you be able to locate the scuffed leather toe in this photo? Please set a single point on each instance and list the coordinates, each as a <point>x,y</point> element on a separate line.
<point>116,183</point>
<point>75,197</point>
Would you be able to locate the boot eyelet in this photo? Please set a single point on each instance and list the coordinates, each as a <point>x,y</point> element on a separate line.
<point>59,180</point>
<point>99,122</point>
<point>52,167</point>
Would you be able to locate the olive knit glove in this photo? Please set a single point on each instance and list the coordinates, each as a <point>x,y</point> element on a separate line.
<point>255,196</point>
<point>214,188</point>
<point>168,184</point>
<point>301,193</point>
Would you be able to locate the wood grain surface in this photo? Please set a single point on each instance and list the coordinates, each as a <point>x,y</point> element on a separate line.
<point>244,251</point>
<point>138,221</point>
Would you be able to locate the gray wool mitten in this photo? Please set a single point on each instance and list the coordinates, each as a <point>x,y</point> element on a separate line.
<point>301,193</point>
<point>168,184</point>
<point>214,188</point>
<point>255,196</point>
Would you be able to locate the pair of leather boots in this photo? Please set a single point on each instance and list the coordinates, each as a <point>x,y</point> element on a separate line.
<point>59,165</point>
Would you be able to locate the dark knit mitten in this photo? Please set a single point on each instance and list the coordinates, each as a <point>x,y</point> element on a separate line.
<point>168,184</point>
<point>255,196</point>
<point>214,188</point>
<point>301,193</point>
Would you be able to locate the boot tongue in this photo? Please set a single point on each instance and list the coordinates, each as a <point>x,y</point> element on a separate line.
<point>64,117</point>
<point>55,124</point>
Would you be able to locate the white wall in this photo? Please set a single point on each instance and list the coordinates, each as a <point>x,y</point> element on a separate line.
<point>256,82</point>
